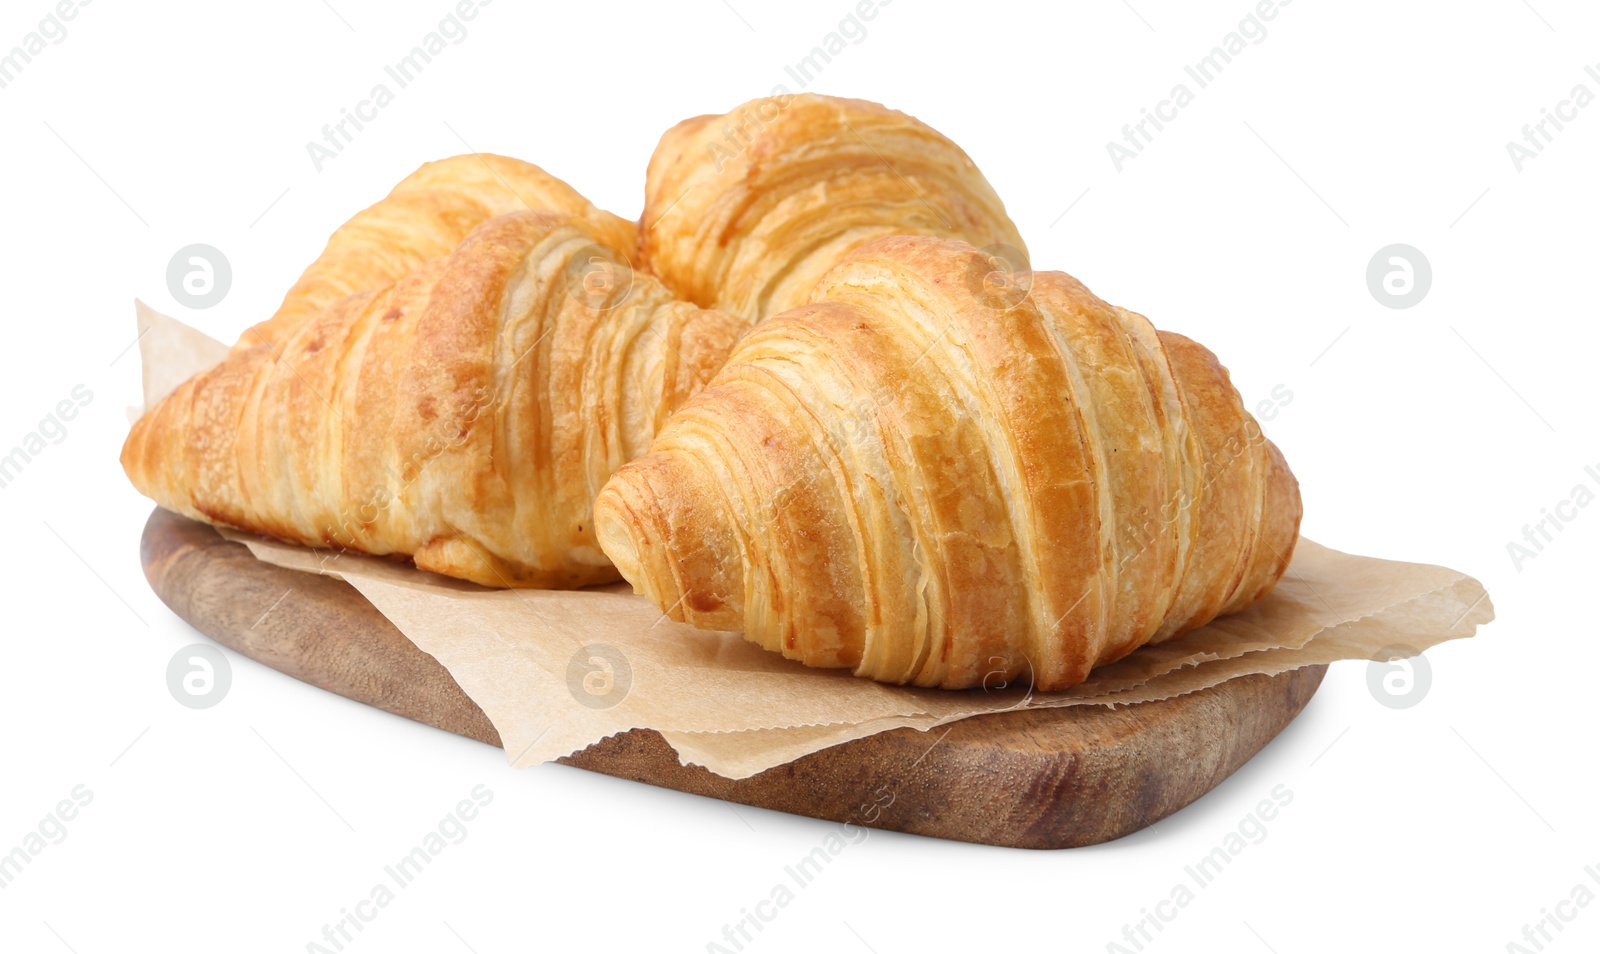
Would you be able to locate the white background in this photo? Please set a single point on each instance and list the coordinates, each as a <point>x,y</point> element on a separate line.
<point>1433,433</point>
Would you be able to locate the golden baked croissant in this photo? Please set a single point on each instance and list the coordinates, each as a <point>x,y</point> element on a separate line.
<point>425,217</point>
<point>745,211</point>
<point>940,476</point>
<point>465,415</point>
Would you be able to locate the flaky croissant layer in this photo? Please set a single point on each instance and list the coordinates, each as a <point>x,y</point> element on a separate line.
<point>745,211</point>
<point>943,474</point>
<point>424,217</point>
<point>465,415</point>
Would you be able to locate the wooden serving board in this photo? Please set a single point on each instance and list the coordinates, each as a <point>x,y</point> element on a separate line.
<point>1046,778</point>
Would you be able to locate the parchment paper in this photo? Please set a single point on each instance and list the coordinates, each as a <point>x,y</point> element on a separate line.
<point>170,352</point>
<point>556,671</point>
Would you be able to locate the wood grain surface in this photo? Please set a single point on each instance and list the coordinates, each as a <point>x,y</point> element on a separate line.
<point>1047,778</point>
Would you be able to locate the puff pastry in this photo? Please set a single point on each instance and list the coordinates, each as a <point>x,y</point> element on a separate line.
<point>465,415</point>
<point>745,211</point>
<point>425,217</point>
<point>934,477</point>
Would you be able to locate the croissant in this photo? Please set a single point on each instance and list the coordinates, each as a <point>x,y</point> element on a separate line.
<point>938,475</point>
<point>745,211</point>
<point>465,415</point>
<point>425,217</point>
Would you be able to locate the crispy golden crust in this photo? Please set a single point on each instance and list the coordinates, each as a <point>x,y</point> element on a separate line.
<point>745,211</point>
<point>465,415</point>
<point>934,482</point>
<point>425,217</point>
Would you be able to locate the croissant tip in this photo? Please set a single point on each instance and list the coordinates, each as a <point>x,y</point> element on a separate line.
<point>614,530</point>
